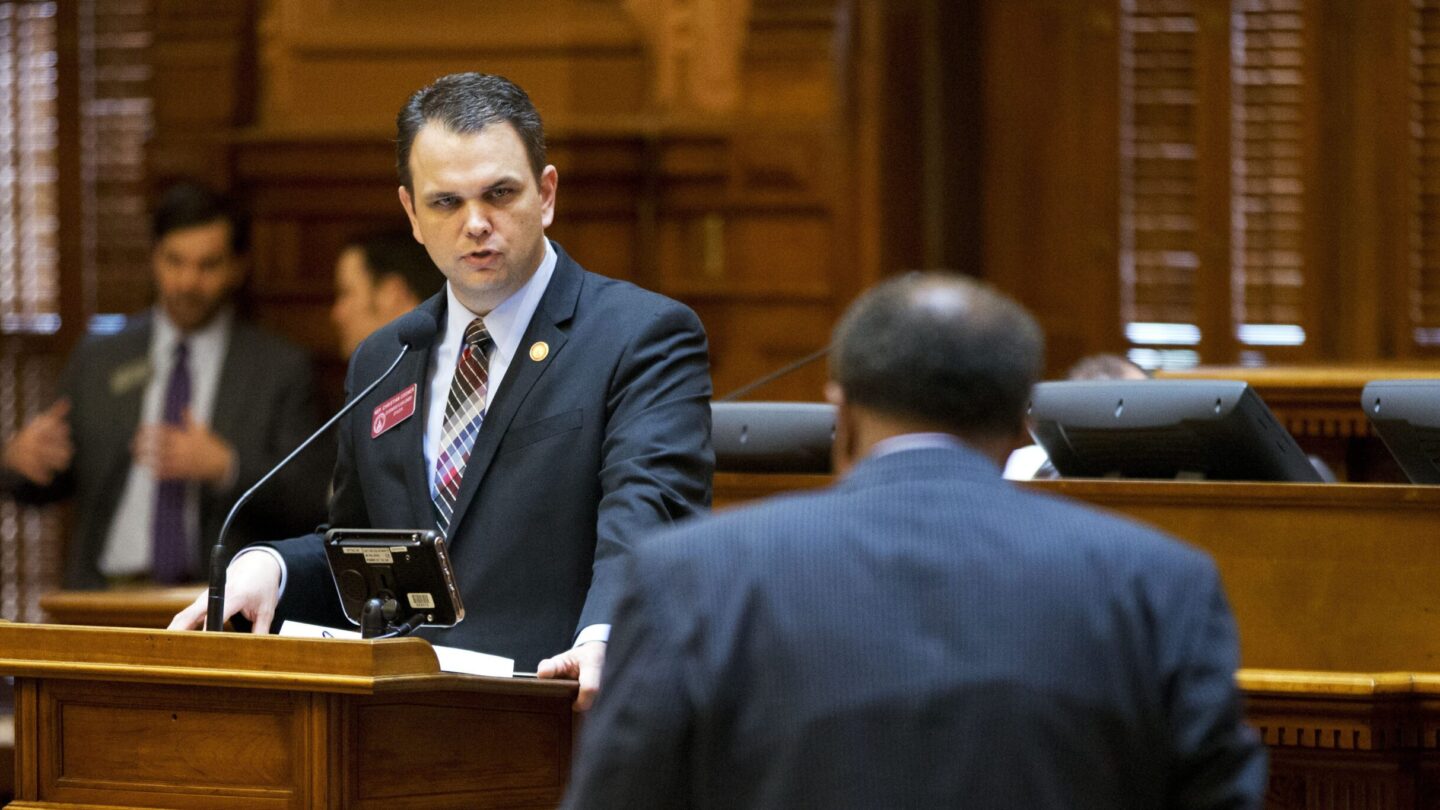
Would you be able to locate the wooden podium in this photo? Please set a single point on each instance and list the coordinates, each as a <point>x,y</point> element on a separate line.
<point>117,718</point>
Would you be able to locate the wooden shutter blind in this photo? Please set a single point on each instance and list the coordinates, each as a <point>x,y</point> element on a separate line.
<point>1424,288</point>
<point>29,170</point>
<point>116,119</point>
<point>1203,270</point>
<point>97,194</point>
<point>1159,259</point>
<point>1268,183</point>
<point>29,272</point>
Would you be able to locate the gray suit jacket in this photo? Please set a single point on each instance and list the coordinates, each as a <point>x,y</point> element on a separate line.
<point>923,634</point>
<point>264,407</point>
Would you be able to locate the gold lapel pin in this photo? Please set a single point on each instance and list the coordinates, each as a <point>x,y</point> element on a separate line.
<point>539,351</point>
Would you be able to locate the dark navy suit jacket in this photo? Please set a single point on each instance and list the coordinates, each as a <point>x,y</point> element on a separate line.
<point>923,634</point>
<point>264,407</point>
<point>581,452</point>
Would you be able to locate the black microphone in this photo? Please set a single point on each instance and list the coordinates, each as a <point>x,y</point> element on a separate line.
<point>416,330</point>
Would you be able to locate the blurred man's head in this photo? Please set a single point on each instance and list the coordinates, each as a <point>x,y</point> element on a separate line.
<point>1106,366</point>
<point>933,352</point>
<point>378,278</point>
<point>199,244</point>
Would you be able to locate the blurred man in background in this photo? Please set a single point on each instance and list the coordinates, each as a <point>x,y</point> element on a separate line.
<point>160,427</point>
<point>378,278</point>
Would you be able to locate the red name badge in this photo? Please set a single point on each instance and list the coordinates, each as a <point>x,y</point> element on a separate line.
<point>393,411</point>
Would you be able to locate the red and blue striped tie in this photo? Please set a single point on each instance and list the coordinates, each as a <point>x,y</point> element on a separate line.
<point>464,411</point>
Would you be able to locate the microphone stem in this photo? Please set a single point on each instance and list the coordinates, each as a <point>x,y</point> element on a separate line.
<point>775,375</point>
<point>219,562</point>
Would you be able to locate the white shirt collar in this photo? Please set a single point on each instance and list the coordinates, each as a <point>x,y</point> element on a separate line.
<point>507,322</point>
<point>166,335</point>
<point>914,441</point>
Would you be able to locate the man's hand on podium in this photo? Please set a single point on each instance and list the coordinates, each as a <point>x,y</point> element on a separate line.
<point>252,589</point>
<point>582,662</point>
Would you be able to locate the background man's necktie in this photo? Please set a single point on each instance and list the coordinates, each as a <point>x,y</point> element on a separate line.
<point>464,411</point>
<point>171,552</point>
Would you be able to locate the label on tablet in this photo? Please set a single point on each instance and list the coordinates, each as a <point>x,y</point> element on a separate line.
<point>374,556</point>
<point>421,601</point>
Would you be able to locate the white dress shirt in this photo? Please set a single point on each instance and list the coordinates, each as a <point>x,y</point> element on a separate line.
<point>130,540</point>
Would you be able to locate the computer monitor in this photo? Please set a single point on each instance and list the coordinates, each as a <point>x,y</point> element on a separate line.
<point>1211,429</point>
<point>774,437</point>
<point>1406,416</point>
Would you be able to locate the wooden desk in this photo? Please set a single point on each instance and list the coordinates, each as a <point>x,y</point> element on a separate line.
<point>1332,577</point>
<point>125,718</point>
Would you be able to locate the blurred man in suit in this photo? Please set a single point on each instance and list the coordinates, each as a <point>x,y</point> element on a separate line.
<point>378,278</point>
<point>558,417</point>
<point>160,427</point>
<point>922,634</point>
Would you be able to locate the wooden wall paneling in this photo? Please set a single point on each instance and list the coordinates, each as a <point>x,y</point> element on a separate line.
<point>1051,162</point>
<point>789,58</point>
<point>695,51</point>
<point>347,65</point>
<point>734,213</point>
<point>926,103</point>
<point>1213,192</point>
<point>957,144</point>
<point>1363,222</point>
<point>745,235</point>
<point>1416,318</point>
<point>604,201</point>
<point>203,59</point>
<point>308,197</point>
<point>887,127</point>
<point>860,64</point>
<point>750,340</point>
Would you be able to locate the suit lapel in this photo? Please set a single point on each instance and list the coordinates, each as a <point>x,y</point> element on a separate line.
<point>234,380</point>
<point>411,432</point>
<point>557,307</point>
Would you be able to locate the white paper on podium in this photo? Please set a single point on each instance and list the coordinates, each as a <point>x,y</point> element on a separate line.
<point>452,659</point>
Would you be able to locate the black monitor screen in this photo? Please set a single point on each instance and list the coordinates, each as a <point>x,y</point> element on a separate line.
<point>1406,415</point>
<point>1212,429</point>
<point>790,437</point>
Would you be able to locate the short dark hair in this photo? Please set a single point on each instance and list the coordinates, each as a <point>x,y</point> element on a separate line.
<point>942,349</point>
<point>187,204</point>
<point>466,103</point>
<point>396,253</point>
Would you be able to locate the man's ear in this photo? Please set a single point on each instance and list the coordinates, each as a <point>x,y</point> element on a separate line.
<point>549,182</point>
<point>842,450</point>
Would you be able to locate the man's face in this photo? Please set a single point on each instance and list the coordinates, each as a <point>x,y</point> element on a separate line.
<point>195,273</point>
<point>478,210</point>
<point>355,313</point>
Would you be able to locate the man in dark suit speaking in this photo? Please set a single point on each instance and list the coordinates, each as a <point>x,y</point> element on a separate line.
<point>161,426</point>
<point>923,634</point>
<point>558,416</point>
